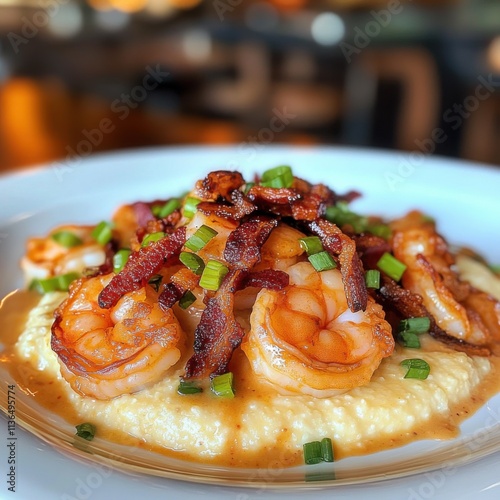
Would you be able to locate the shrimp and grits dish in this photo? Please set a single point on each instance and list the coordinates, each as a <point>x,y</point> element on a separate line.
<point>258,320</point>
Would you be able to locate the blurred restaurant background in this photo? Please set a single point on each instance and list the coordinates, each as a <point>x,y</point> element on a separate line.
<point>82,76</point>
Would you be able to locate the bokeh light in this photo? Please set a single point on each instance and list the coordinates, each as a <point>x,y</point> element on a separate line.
<point>328,28</point>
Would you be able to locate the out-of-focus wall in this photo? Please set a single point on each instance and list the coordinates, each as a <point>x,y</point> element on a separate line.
<point>78,77</point>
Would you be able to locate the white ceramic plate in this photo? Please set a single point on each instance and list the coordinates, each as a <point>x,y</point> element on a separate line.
<point>464,199</point>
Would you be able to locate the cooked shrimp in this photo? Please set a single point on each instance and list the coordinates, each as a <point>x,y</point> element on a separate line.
<point>282,250</point>
<point>45,257</point>
<point>105,353</point>
<point>458,309</point>
<point>305,339</point>
<point>126,224</point>
<point>215,247</point>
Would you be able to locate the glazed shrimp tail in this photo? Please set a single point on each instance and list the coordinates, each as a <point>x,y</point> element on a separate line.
<point>304,339</point>
<point>104,353</point>
<point>338,243</point>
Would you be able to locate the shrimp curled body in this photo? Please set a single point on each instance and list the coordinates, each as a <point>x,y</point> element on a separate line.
<point>104,353</point>
<point>305,339</point>
<point>459,309</point>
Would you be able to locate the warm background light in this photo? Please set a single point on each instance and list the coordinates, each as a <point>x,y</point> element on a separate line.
<point>129,6</point>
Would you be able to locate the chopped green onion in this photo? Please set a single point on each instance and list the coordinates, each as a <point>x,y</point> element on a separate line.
<point>391,266</point>
<point>322,261</point>
<point>187,300</point>
<point>311,244</point>
<point>312,453</point>
<point>149,238</point>
<point>102,233</point>
<point>327,450</point>
<point>380,230</point>
<point>415,325</point>
<point>200,238</point>
<point>409,339</point>
<point>44,285</point>
<point>409,330</point>
<point>417,368</point>
<point>188,387</point>
<point>155,281</point>
<point>64,280</point>
<point>86,431</point>
<point>278,177</point>
<point>67,239</point>
<point>120,258</point>
<point>372,279</point>
<point>193,262</point>
<point>341,215</point>
<point>223,385</point>
<point>190,205</point>
<point>320,476</point>
<point>213,274</point>
<point>55,284</point>
<point>495,268</point>
<point>169,208</point>
<point>316,451</point>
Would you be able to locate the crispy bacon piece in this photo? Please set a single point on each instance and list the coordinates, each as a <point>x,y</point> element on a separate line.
<point>303,201</point>
<point>353,277</point>
<point>370,248</point>
<point>170,294</point>
<point>309,208</point>
<point>313,202</point>
<point>143,213</point>
<point>182,281</point>
<point>276,201</point>
<point>239,208</point>
<point>219,184</point>
<point>269,278</point>
<point>218,333</point>
<point>407,304</point>
<point>141,266</point>
<point>243,246</point>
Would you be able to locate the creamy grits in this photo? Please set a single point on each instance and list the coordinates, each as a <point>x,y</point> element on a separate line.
<point>251,428</point>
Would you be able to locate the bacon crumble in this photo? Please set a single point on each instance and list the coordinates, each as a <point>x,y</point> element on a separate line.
<point>218,333</point>
<point>351,268</point>
<point>141,266</point>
